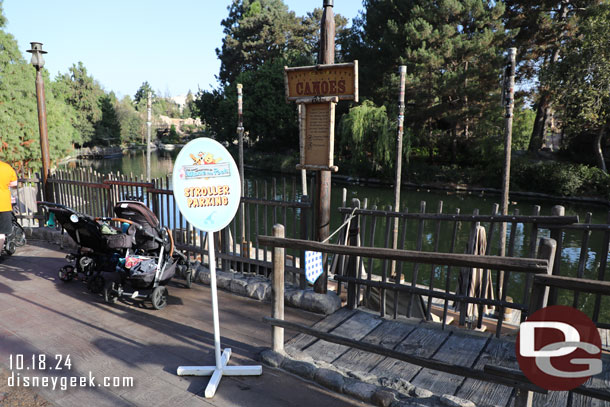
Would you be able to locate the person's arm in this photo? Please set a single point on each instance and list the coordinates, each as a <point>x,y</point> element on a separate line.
<point>13,180</point>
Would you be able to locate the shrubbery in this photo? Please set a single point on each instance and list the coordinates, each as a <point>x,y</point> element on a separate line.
<point>559,178</point>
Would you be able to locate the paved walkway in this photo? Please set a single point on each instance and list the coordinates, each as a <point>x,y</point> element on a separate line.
<point>40,315</point>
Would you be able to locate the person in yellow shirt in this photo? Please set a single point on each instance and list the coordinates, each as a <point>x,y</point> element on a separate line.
<point>8,179</point>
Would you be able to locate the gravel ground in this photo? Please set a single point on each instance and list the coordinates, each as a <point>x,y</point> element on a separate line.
<point>18,396</point>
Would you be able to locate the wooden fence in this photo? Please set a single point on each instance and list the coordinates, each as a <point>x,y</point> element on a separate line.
<point>453,233</point>
<point>267,203</point>
<point>95,194</point>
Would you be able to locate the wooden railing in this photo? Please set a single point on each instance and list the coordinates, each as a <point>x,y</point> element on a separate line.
<point>523,266</point>
<point>540,269</point>
<point>279,243</point>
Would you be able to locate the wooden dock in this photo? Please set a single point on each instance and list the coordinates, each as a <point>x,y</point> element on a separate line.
<point>453,345</point>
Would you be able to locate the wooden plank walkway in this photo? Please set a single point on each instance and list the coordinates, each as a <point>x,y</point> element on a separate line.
<point>40,315</point>
<point>427,339</point>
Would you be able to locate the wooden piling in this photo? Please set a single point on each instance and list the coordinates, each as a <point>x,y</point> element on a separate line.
<point>278,290</point>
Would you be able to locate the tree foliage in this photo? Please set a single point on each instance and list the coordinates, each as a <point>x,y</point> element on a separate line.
<point>141,96</point>
<point>261,37</point>
<point>453,53</point>
<point>581,80</point>
<point>366,141</point>
<point>19,134</point>
<point>79,90</point>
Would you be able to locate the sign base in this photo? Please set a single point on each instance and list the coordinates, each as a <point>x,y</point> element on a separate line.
<point>217,373</point>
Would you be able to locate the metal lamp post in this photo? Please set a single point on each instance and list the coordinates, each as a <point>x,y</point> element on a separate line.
<point>38,63</point>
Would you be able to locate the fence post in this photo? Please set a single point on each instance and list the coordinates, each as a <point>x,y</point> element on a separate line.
<point>540,293</point>
<point>278,290</point>
<point>225,244</point>
<point>352,263</point>
<point>304,235</point>
<point>556,234</point>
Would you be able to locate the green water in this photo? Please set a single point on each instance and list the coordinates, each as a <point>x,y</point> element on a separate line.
<point>382,196</point>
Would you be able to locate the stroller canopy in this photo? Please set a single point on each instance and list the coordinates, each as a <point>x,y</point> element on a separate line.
<point>139,213</point>
<point>86,232</point>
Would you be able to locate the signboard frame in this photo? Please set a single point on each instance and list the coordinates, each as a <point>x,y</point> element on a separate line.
<point>322,70</point>
<point>312,160</point>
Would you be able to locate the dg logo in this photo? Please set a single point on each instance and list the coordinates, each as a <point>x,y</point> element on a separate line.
<point>559,348</point>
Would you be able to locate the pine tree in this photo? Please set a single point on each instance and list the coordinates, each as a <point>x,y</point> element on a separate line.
<point>453,52</point>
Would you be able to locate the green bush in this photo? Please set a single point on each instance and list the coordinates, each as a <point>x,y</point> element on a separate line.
<point>559,178</point>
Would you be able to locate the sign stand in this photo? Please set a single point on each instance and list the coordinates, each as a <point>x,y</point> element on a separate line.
<point>208,190</point>
<point>221,368</point>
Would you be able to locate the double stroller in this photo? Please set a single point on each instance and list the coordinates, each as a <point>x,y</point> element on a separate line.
<point>135,261</point>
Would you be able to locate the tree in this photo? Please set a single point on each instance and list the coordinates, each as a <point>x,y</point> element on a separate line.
<point>541,27</point>
<point>581,79</point>
<point>131,121</point>
<point>366,141</point>
<point>19,135</point>
<point>260,38</point>
<point>108,128</point>
<point>141,96</point>
<point>188,108</point>
<point>79,90</point>
<point>453,52</point>
<point>255,32</point>
<point>270,121</point>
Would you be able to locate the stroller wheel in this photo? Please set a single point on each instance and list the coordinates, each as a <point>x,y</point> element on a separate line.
<point>109,294</point>
<point>95,283</point>
<point>66,273</point>
<point>189,278</point>
<point>19,237</point>
<point>159,297</point>
<point>10,247</point>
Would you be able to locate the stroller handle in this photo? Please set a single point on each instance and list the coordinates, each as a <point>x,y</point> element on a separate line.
<point>137,225</point>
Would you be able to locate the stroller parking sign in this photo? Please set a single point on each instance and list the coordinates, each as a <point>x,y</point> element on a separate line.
<point>207,187</point>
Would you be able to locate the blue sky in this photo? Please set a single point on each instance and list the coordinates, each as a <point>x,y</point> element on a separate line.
<point>123,43</point>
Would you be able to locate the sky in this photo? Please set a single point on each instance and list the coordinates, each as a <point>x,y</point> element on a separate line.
<point>123,43</point>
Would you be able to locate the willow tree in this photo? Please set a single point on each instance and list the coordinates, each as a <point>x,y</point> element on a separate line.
<point>367,140</point>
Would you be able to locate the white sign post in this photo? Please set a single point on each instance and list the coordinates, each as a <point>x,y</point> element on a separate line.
<point>207,189</point>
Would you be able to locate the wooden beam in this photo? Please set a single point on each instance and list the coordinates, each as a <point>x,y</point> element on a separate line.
<point>574,284</point>
<point>432,293</point>
<point>543,220</point>
<point>445,259</point>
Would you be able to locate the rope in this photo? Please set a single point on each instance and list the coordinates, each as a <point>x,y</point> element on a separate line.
<point>347,222</point>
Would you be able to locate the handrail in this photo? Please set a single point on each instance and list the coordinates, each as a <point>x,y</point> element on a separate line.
<point>526,265</point>
<point>546,220</point>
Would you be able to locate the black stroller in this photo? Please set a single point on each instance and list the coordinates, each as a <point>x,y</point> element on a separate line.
<point>14,239</point>
<point>149,266</point>
<point>100,246</point>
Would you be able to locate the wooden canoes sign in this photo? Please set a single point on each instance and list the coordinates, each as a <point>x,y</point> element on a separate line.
<point>310,82</point>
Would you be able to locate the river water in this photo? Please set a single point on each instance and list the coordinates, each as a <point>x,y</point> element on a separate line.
<point>382,196</point>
